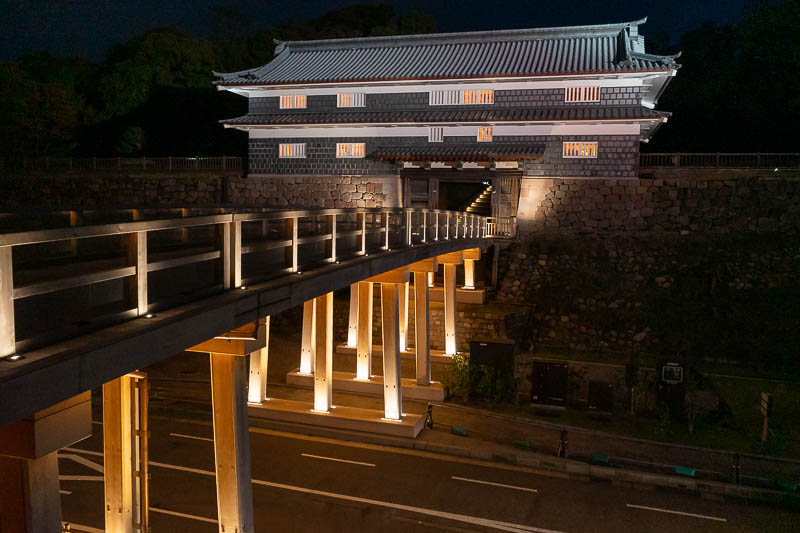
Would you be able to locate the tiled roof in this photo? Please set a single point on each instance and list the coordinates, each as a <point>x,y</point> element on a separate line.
<point>544,114</point>
<point>502,53</point>
<point>468,152</point>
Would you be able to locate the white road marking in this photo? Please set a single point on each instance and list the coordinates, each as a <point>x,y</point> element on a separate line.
<point>335,459</point>
<point>97,422</point>
<point>86,529</point>
<point>83,461</point>
<point>718,519</point>
<point>493,484</point>
<point>80,478</point>
<point>181,435</point>
<point>78,450</point>
<point>184,515</point>
<point>486,522</point>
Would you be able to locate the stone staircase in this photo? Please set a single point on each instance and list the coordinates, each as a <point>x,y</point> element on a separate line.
<point>482,204</point>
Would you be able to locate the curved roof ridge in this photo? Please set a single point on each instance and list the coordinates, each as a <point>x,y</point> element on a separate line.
<point>456,37</point>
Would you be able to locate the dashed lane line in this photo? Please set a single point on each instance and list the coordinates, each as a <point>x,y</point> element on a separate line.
<point>335,459</point>
<point>669,511</point>
<point>493,483</point>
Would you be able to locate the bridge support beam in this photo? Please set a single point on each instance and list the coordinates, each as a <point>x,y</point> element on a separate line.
<point>431,283</point>
<point>422,336</point>
<point>364,337</point>
<point>307,351</point>
<point>403,308</point>
<point>257,388</point>
<point>391,283</point>
<point>231,443</point>
<point>352,324</point>
<point>323,371</point>
<point>125,437</point>
<point>29,497</point>
<point>450,261</point>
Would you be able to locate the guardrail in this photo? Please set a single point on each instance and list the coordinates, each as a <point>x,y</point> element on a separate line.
<point>57,283</point>
<point>168,163</point>
<point>501,227</point>
<point>720,160</point>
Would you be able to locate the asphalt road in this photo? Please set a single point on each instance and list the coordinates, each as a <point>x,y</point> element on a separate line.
<point>315,484</point>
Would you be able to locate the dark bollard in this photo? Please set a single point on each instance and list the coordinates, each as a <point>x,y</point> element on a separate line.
<point>429,417</point>
<point>562,445</point>
<point>736,469</point>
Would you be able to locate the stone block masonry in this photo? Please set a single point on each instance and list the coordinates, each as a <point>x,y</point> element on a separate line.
<point>660,205</point>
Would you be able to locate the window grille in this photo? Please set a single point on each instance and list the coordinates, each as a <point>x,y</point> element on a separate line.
<point>292,150</point>
<point>435,135</point>
<point>349,150</point>
<point>350,100</point>
<point>458,97</point>
<point>485,134</point>
<point>580,150</point>
<point>582,94</point>
<point>293,101</point>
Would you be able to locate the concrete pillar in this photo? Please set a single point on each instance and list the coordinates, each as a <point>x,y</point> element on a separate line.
<point>364,348</point>
<point>469,274</point>
<point>403,308</point>
<point>257,388</point>
<point>29,497</point>
<point>307,351</point>
<point>231,443</point>
<point>392,392</point>
<point>430,279</point>
<point>119,455</point>
<point>422,328</point>
<point>450,339</point>
<point>323,340</point>
<point>352,324</point>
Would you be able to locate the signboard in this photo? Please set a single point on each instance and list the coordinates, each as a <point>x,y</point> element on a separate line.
<point>672,373</point>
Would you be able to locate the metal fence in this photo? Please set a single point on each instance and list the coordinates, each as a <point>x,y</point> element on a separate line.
<point>168,163</point>
<point>59,283</point>
<point>720,160</point>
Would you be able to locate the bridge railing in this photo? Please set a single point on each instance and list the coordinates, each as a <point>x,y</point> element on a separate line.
<point>62,282</point>
<point>720,160</point>
<point>503,227</point>
<point>167,164</point>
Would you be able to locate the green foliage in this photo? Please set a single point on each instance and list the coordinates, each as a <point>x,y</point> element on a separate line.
<point>131,141</point>
<point>457,380</point>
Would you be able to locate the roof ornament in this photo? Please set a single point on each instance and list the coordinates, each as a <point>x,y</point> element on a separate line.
<point>280,46</point>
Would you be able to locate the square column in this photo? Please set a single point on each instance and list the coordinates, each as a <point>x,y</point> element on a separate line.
<point>422,328</point>
<point>403,308</point>
<point>118,455</point>
<point>323,340</point>
<point>29,497</point>
<point>470,256</point>
<point>307,351</point>
<point>450,261</point>
<point>257,388</point>
<point>231,443</point>
<point>430,279</point>
<point>352,324</point>
<point>390,327</point>
<point>364,348</point>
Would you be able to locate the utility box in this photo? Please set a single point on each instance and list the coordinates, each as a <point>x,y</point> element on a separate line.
<point>497,354</point>
<point>550,382</point>
<point>671,388</point>
<point>601,397</point>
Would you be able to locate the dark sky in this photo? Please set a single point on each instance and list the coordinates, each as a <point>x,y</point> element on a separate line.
<point>88,27</point>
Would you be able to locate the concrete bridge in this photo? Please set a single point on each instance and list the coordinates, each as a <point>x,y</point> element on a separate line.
<point>145,290</point>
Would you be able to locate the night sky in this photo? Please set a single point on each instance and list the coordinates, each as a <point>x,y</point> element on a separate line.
<point>86,28</point>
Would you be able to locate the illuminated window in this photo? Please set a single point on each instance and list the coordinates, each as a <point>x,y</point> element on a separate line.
<point>485,134</point>
<point>350,100</point>
<point>582,94</point>
<point>435,135</point>
<point>580,150</point>
<point>350,150</point>
<point>466,97</point>
<point>293,101</point>
<point>292,150</point>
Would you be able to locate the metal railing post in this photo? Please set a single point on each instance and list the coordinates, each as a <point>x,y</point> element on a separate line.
<point>224,245</point>
<point>424,225</point>
<point>137,257</point>
<point>447,231</point>
<point>332,232</point>
<point>436,226</point>
<point>407,228</point>
<point>291,231</point>
<point>386,230</point>
<point>236,253</point>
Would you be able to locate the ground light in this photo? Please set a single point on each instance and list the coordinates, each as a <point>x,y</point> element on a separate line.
<point>13,358</point>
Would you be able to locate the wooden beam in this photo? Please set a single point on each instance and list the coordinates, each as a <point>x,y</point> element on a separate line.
<point>241,341</point>
<point>453,258</point>
<point>472,253</point>
<point>398,275</point>
<point>426,265</point>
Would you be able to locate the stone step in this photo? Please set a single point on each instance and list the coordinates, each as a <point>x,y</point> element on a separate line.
<point>437,356</point>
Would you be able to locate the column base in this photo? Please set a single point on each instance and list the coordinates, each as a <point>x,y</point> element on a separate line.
<point>437,356</point>
<point>346,382</point>
<point>341,418</point>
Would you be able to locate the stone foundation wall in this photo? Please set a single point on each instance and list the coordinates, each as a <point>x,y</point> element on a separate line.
<point>316,191</point>
<point>660,205</point>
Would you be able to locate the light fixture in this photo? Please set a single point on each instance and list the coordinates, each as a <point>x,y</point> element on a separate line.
<point>149,315</point>
<point>13,358</point>
<point>243,288</point>
<point>298,272</point>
